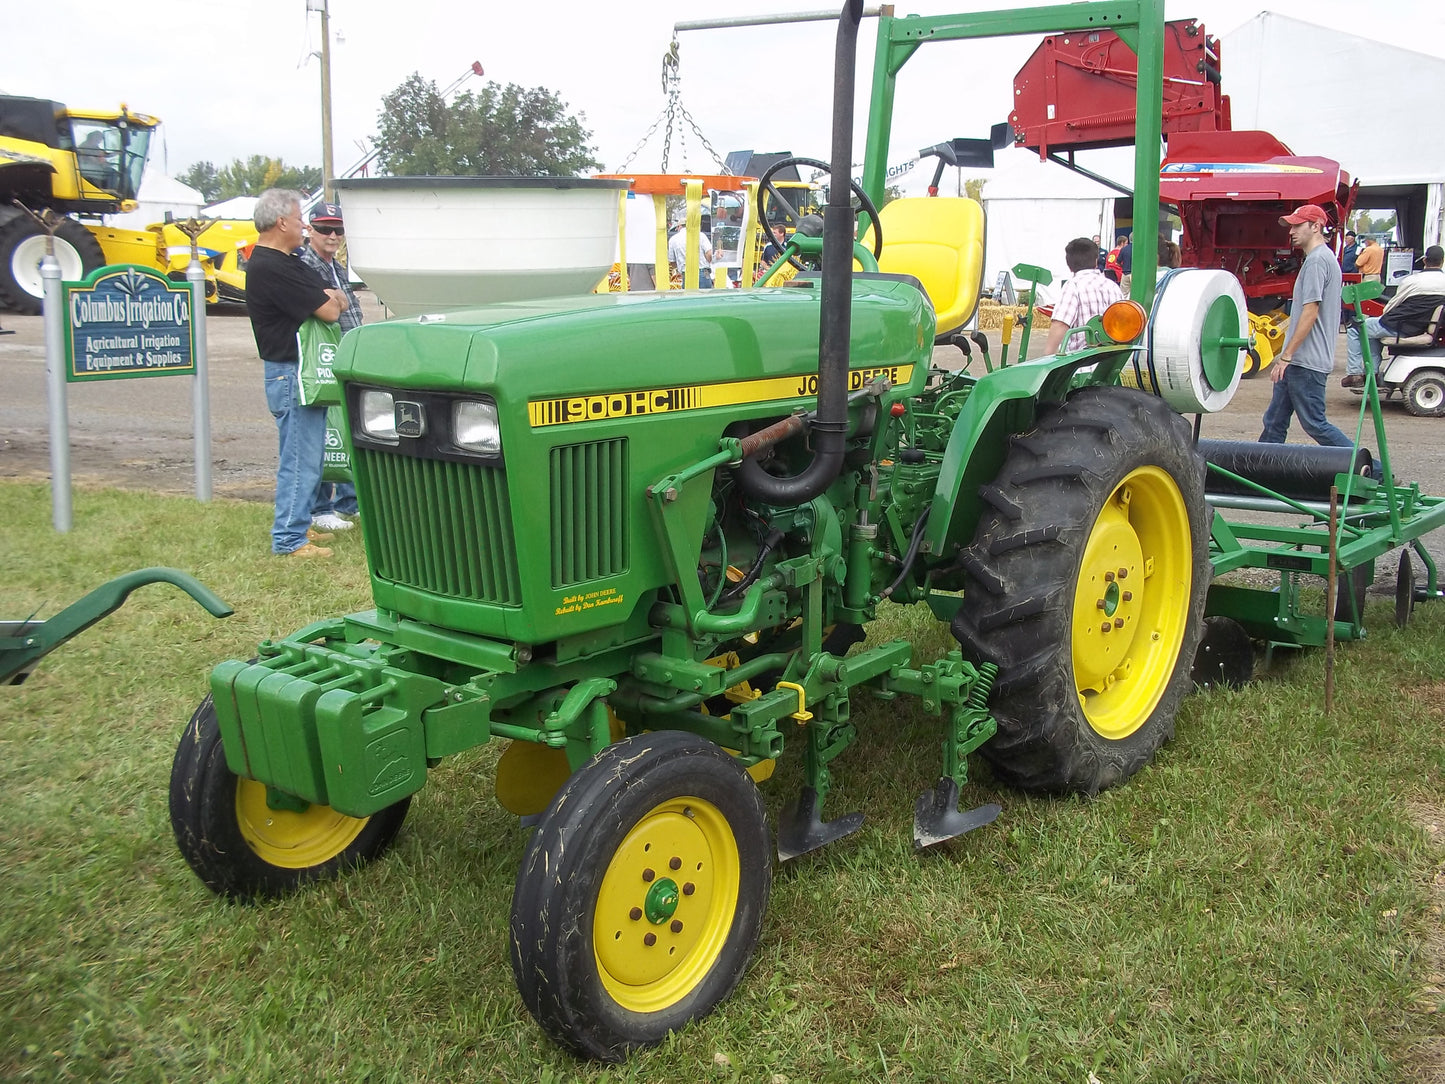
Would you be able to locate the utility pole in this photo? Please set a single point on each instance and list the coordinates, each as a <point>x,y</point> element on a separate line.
<point>327,171</point>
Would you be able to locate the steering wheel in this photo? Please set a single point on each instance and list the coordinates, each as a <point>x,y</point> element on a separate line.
<point>766,185</point>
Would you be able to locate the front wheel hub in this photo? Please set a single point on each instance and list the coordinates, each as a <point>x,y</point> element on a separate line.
<point>666,904</point>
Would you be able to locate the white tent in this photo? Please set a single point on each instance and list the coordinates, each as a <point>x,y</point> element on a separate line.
<point>1032,209</point>
<point>159,195</point>
<point>242,207</point>
<point>1372,107</point>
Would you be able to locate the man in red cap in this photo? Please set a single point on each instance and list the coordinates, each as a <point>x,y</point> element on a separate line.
<point>334,500</point>
<point>1302,369</point>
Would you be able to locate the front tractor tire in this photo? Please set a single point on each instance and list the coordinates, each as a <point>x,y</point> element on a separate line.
<point>641,895</point>
<point>244,849</point>
<point>22,247</point>
<point>1085,585</point>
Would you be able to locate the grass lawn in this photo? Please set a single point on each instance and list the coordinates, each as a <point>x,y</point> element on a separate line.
<point>1263,903</point>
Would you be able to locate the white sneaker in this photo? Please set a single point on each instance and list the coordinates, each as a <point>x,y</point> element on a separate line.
<point>330,521</point>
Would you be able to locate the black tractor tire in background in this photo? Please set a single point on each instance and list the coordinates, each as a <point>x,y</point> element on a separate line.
<point>243,850</point>
<point>641,895</point>
<point>76,248</point>
<point>1096,518</point>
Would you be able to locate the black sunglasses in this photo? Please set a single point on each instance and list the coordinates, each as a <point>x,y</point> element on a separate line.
<point>339,231</point>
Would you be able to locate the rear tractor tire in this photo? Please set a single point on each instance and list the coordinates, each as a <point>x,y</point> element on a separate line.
<point>641,895</point>
<point>1086,582</point>
<point>241,847</point>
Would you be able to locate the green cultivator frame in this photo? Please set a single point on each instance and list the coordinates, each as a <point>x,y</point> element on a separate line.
<point>1347,509</point>
<point>24,643</point>
<point>644,540</point>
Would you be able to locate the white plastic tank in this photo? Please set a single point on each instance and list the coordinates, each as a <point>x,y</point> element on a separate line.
<point>429,244</point>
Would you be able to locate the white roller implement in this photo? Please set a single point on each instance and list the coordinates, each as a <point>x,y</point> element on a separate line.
<point>1195,331</point>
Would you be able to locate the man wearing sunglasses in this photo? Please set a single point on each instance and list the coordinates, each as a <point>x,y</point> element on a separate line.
<point>322,254</point>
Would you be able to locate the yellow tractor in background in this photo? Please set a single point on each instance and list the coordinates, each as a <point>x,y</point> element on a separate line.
<point>83,164</point>
<point>76,163</point>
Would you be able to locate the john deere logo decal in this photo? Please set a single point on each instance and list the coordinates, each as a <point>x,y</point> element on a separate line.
<point>410,419</point>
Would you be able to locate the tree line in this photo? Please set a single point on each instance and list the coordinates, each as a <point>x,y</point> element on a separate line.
<point>500,131</point>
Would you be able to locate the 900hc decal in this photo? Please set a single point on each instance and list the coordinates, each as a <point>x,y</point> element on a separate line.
<point>627,404</point>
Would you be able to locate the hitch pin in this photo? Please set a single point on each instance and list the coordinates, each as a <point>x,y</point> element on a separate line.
<point>803,715</point>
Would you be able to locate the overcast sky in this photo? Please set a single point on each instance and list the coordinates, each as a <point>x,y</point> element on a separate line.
<point>231,78</point>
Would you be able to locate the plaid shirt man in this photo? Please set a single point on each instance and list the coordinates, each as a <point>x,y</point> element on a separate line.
<point>1083,297</point>
<point>334,276</point>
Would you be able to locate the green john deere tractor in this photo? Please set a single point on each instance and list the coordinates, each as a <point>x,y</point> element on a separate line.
<point>642,539</point>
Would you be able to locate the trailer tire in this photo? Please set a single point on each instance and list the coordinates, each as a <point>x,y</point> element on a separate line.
<point>243,850</point>
<point>1107,481</point>
<point>22,244</point>
<point>597,880</point>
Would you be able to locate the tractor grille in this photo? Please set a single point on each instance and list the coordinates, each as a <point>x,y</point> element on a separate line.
<point>589,522</point>
<point>443,527</point>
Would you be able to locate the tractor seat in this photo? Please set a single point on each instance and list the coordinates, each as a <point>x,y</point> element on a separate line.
<point>1431,338</point>
<point>939,241</point>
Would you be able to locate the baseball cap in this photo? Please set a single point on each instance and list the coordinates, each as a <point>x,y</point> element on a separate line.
<point>1308,213</point>
<point>326,212</point>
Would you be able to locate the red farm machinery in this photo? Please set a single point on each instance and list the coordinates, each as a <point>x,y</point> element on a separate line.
<point>1228,188</point>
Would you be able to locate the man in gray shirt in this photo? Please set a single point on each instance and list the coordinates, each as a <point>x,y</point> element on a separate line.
<point>1302,369</point>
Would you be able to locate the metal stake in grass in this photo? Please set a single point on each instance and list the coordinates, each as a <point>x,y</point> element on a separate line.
<point>1331,585</point>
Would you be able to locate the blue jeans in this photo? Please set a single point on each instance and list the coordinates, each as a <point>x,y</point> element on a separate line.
<point>302,431</point>
<point>1301,392</point>
<point>335,497</point>
<point>1376,332</point>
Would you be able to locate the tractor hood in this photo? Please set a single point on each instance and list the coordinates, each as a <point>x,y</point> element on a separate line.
<point>603,343</point>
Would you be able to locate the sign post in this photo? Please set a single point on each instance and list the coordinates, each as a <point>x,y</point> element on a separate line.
<point>54,301</point>
<point>200,383</point>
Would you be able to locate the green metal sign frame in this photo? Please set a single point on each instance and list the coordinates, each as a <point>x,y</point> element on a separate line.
<point>125,321</point>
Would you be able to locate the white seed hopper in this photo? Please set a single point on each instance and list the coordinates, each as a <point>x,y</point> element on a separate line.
<point>429,244</point>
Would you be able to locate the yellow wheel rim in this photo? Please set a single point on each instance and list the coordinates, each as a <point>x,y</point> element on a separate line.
<point>666,904</point>
<point>1131,603</point>
<point>291,840</point>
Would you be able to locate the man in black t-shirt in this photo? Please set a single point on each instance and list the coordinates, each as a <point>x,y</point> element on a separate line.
<point>281,292</point>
